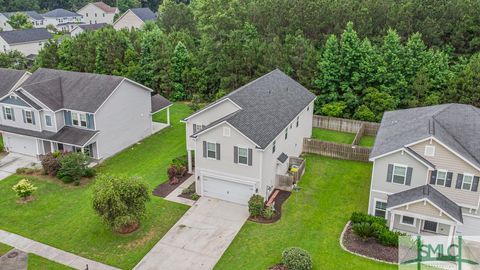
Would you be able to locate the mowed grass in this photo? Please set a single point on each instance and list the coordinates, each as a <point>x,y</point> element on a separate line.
<point>313,219</point>
<point>62,215</point>
<point>367,141</point>
<point>333,136</point>
<point>35,262</point>
<point>4,248</point>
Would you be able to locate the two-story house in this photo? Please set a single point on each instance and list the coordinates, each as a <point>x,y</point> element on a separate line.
<point>27,41</point>
<point>98,12</point>
<point>55,110</point>
<point>36,19</point>
<point>63,20</point>
<point>134,18</point>
<point>240,143</point>
<point>426,168</point>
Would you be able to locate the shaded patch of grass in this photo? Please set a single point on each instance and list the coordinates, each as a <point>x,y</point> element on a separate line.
<point>333,136</point>
<point>367,141</point>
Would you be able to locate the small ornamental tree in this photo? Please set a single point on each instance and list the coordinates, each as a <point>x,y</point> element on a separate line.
<point>120,201</point>
<point>255,205</point>
<point>24,189</point>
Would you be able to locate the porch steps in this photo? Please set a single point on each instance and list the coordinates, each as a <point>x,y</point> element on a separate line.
<point>272,198</point>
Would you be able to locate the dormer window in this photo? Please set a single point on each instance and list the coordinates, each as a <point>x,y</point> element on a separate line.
<point>429,150</point>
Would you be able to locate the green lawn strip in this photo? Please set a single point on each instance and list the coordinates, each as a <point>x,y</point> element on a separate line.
<point>333,136</point>
<point>367,141</point>
<point>39,263</point>
<point>312,219</point>
<point>62,215</point>
<point>4,248</point>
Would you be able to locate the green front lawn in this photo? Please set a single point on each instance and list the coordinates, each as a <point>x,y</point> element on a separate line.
<point>333,136</point>
<point>4,248</point>
<point>39,263</point>
<point>62,215</point>
<point>312,219</point>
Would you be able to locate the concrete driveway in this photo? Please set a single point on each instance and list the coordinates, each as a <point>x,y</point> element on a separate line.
<point>11,162</point>
<point>199,238</point>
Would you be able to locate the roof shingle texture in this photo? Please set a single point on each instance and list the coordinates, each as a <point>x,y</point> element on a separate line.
<point>70,90</point>
<point>9,77</point>
<point>91,27</point>
<point>455,125</point>
<point>145,14</point>
<point>27,35</point>
<point>426,192</point>
<point>60,12</point>
<point>159,102</point>
<point>268,104</point>
<point>105,7</point>
<point>32,14</point>
<point>68,135</point>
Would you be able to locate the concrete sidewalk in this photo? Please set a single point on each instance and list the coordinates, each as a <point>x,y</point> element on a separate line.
<point>199,238</point>
<point>51,253</point>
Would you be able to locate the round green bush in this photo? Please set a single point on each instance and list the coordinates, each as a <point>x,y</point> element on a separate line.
<point>255,205</point>
<point>295,258</point>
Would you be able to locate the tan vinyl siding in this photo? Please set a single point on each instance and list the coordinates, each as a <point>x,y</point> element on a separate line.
<point>425,209</point>
<point>444,159</point>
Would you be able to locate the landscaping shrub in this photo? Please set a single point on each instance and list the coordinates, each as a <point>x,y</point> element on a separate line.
<point>190,189</point>
<point>120,201</point>
<point>181,161</point>
<point>72,167</point>
<point>172,175</point>
<point>268,212</point>
<point>24,188</point>
<point>358,217</point>
<point>255,205</point>
<point>24,170</point>
<point>364,230</point>
<point>50,163</point>
<point>295,258</point>
<point>195,196</point>
<point>389,238</point>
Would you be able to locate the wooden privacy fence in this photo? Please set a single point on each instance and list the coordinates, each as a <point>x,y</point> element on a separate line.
<point>336,150</point>
<point>345,125</point>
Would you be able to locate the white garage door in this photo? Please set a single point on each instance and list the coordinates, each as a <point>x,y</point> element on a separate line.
<point>227,190</point>
<point>21,145</point>
<point>470,227</point>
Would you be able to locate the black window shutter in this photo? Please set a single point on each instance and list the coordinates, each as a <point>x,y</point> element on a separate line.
<point>389,172</point>
<point>433,177</point>
<point>475,184</point>
<point>408,181</point>
<point>235,154</point>
<point>194,128</point>
<point>204,149</point>
<point>459,181</point>
<point>449,179</point>
<point>218,151</point>
<point>250,154</point>
<point>4,114</point>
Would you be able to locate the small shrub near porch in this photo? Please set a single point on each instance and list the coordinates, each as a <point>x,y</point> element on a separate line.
<point>68,167</point>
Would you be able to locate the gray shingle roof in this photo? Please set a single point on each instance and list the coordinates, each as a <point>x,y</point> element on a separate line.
<point>9,77</point>
<point>455,125</point>
<point>426,192</point>
<point>59,89</point>
<point>68,135</point>
<point>91,27</point>
<point>159,103</point>
<point>28,100</point>
<point>27,35</point>
<point>268,104</point>
<point>145,14</point>
<point>32,14</point>
<point>60,12</point>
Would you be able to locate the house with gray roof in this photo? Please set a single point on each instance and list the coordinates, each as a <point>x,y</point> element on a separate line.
<point>243,141</point>
<point>26,41</point>
<point>63,20</point>
<point>134,18</point>
<point>36,19</point>
<point>426,170</point>
<point>55,110</point>
<point>86,28</point>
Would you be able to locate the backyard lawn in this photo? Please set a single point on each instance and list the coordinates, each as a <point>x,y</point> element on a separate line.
<point>62,215</point>
<point>312,219</point>
<point>341,137</point>
<point>367,141</point>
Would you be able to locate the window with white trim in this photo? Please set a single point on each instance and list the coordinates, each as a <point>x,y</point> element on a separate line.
<point>430,150</point>
<point>8,113</point>
<point>83,120</point>
<point>380,209</point>
<point>48,120</point>
<point>29,117</point>
<point>211,150</point>
<point>79,119</point>
<point>467,181</point>
<point>441,178</point>
<point>243,156</point>
<point>75,119</point>
<point>399,174</point>
<point>406,220</point>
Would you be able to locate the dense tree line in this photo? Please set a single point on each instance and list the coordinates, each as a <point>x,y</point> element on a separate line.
<point>207,48</point>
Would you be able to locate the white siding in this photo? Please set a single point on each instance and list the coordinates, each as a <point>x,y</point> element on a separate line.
<point>93,15</point>
<point>26,48</point>
<point>4,23</point>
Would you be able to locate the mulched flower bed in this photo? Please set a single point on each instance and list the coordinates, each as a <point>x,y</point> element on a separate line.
<point>164,189</point>
<point>279,200</point>
<point>370,248</point>
<point>278,267</point>
<point>189,194</point>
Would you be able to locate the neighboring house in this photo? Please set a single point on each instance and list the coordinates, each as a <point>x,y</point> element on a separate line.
<point>57,110</point>
<point>134,18</point>
<point>241,142</point>
<point>426,168</point>
<point>85,28</point>
<point>36,19</point>
<point>98,12</point>
<point>62,19</point>
<point>28,41</point>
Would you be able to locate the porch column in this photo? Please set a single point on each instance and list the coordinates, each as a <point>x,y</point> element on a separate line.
<point>392,220</point>
<point>83,150</point>
<point>52,148</point>
<point>451,234</point>
<point>189,156</point>
<point>168,116</point>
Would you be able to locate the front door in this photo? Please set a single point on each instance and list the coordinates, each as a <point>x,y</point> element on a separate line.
<point>430,226</point>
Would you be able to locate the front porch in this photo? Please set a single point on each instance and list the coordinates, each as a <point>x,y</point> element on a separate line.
<point>46,147</point>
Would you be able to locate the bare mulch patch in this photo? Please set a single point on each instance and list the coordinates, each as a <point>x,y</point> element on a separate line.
<point>278,267</point>
<point>189,194</point>
<point>279,200</point>
<point>26,199</point>
<point>370,247</point>
<point>129,229</point>
<point>166,188</point>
